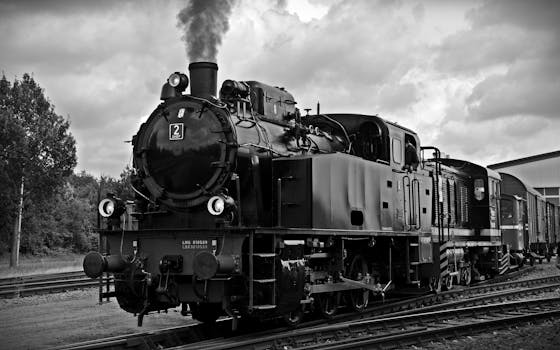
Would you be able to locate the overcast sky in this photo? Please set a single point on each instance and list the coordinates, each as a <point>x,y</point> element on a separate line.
<point>478,79</point>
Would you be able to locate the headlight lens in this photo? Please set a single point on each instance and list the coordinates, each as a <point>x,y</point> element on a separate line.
<point>178,81</point>
<point>216,205</point>
<point>174,79</point>
<point>106,207</point>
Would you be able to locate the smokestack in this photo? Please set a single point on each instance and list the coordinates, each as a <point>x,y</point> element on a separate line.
<point>204,79</point>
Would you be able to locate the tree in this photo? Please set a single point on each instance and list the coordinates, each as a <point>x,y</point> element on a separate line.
<point>36,148</point>
<point>122,186</point>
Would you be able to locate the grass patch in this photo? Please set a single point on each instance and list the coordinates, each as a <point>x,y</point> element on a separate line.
<point>32,265</point>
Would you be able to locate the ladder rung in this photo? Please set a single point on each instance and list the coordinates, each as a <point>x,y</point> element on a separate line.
<point>414,263</point>
<point>264,255</point>
<point>269,280</point>
<point>264,307</point>
<point>414,244</point>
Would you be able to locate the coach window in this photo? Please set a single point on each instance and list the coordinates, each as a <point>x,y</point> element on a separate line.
<point>397,151</point>
<point>506,209</point>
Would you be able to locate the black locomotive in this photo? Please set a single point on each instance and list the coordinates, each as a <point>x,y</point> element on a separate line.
<point>246,208</point>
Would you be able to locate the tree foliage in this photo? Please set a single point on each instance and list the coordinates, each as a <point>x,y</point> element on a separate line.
<point>60,207</point>
<point>35,145</point>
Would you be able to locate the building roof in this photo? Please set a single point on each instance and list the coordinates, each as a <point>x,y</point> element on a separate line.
<point>509,163</point>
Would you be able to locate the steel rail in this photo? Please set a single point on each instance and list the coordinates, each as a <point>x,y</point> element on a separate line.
<point>430,299</point>
<point>40,277</point>
<point>46,283</point>
<point>205,335</point>
<point>166,337</point>
<point>476,301</point>
<point>507,276</point>
<point>397,330</point>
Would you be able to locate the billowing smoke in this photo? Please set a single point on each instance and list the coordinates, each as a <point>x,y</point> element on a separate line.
<point>204,22</point>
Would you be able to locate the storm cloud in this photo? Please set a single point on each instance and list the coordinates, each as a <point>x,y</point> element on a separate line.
<point>480,80</point>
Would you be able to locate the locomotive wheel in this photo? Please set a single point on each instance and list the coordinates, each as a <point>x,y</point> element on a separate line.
<point>327,304</point>
<point>435,284</point>
<point>359,299</point>
<point>466,276</point>
<point>206,313</point>
<point>447,282</point>
<point>293,318</point>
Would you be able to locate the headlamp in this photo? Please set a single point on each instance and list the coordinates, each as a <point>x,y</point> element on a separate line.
<point>179,81</point>
<point>111,207</point>
<point>217,204</point>
<point>106,207</point>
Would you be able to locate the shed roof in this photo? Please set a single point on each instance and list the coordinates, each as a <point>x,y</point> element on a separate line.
<point>509,163</point>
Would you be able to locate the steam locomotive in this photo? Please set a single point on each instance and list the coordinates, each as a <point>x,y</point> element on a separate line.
<point>246,208</point>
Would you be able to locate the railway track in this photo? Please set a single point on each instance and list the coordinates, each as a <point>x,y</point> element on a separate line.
<point>411,304</point>
<point>220,336</point>
<point>508,276</point>
<point>397,331</point>
<point>14,287</point>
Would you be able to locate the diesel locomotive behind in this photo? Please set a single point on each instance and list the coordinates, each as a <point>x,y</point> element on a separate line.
<point>246,208</point>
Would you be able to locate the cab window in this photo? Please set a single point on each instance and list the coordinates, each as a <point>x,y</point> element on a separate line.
<point>397,151</point>
<point>479,190</point>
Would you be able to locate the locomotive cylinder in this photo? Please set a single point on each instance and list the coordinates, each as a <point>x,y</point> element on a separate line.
<point>204,77</point>
<point>95,264</point>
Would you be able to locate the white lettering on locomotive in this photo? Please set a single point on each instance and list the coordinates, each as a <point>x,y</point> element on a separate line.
<point>194,244</point>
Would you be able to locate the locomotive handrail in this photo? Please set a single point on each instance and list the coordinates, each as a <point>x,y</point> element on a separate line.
<point>341,128</point>
<point>220,105</point>
<point>439,206</point>
<point>405,188</point>
<point>140,193</point>
<point>279,202</point>
<point>419,222</point>
<point>266,148</point>
<point>412,206</point>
